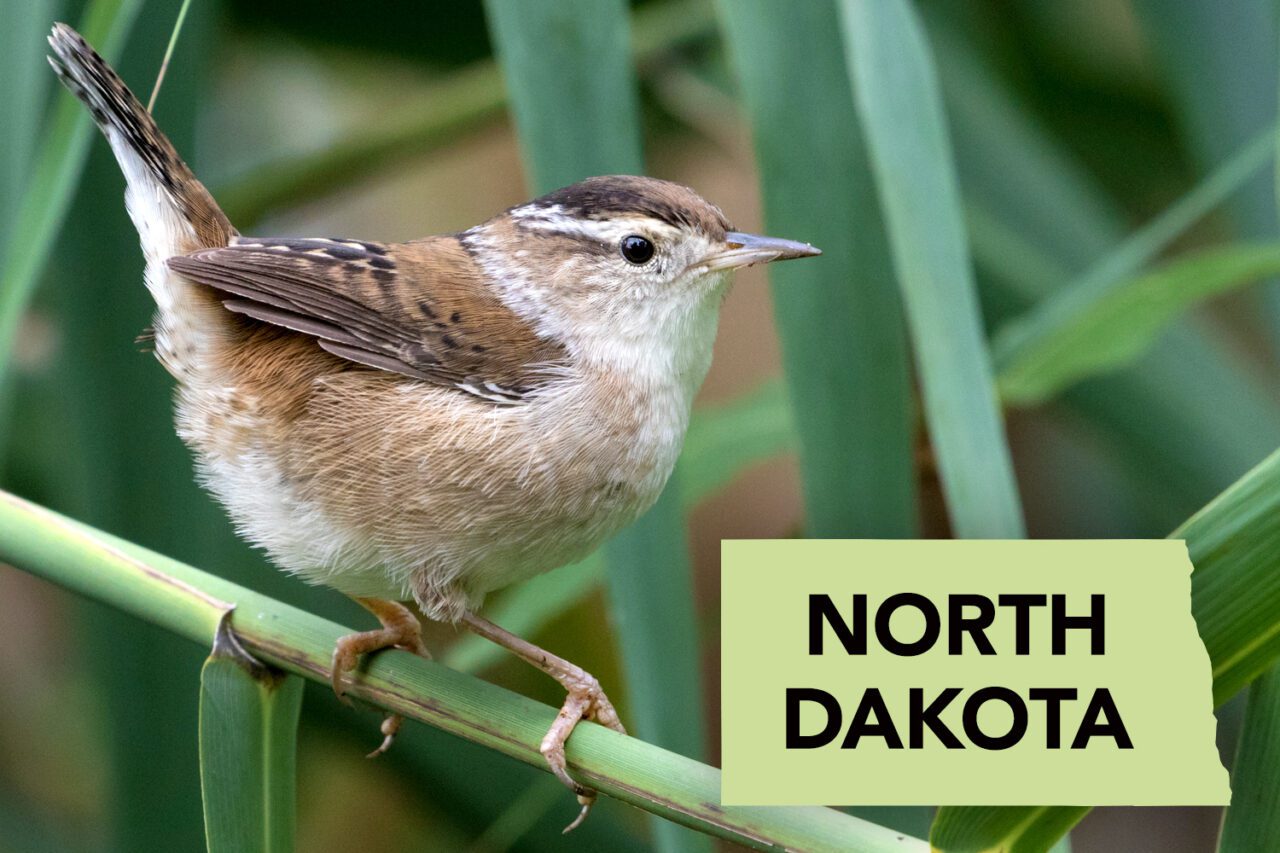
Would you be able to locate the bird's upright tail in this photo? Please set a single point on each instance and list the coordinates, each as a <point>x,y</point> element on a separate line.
<point>173,212</point>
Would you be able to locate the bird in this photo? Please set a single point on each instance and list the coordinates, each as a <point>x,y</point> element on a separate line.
<point>432,420</point>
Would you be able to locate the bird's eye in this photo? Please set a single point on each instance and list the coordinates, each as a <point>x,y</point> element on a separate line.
<point>637,249</point>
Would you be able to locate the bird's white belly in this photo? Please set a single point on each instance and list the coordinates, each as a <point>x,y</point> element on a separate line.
<point>539,486</point>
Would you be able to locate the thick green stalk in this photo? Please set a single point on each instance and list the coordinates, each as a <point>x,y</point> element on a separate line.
<point>573,95</point>
<point>191,603</point>
<point>839,316</point>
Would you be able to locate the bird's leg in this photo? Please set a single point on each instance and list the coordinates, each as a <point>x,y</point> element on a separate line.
<point>400,629</point>
<point>585,701</point>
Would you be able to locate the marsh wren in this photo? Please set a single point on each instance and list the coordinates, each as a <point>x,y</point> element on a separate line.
<point>436,419</point>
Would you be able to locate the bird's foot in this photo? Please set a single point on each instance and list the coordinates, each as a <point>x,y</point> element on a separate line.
<point>401,630</point>
<point>585,701</point>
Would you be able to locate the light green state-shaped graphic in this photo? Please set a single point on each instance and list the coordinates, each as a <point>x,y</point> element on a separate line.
<point>1154,666</point>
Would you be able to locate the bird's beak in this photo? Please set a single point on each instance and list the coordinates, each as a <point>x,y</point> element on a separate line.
<point>743,250</point>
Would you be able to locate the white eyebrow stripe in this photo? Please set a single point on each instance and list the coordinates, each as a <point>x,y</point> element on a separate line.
<point>554,220</point>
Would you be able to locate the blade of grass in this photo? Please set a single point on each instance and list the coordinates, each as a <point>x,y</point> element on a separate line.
<point>574,100</point>
<point>1011,829</point>
<point>1121,324</point>
<point>1253,821</point>
<point>1016,341</point>
<point>26,85</point>
<point>168,54</point>
<point>896,92</point>
<point>572,89</point>
<point>248,750</point>
<point>44,204</point>
<point>900,110</point>
<point>523,813</point>
<point>1234,544</point>
<point>840,317</point>
<point>1187,419</point>
<point>191,603</point>
<point>1219,60</point>
<point>1010,164</point>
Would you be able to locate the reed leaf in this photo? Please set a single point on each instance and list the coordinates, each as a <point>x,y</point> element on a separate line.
<point>191,603</point>
<point>896,91</point>
<point>1252,822</point>
<point>1109,332</point>
<point>1218,59</point>
<point>839,317</point>
<point>27,83</point>
<point>1014,343</point>
<point>47,196</point>
<point>248,750</point>
<point>1187,419</point>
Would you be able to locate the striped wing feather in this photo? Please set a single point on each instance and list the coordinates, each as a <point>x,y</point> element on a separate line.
<point>418,309</point>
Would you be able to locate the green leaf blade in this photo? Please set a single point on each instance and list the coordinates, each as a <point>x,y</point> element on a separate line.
<point>1187,419</point>
<point>573,92</point>
<point>1117,327</point>
<point>1008,829</point>
<point>895,88</point>
<point>839,317</point>
<point>47,197</point>
<point>248,751</point>
<point>1219,63</point>
<point>1253,821</point>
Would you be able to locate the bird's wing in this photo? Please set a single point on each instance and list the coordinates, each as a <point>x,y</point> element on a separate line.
<point>419,309</point>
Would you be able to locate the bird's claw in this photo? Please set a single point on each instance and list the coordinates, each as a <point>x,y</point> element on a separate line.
<point>585,701</point>
<point>390,726</point>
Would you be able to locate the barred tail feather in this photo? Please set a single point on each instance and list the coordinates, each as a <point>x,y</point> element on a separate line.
<point>173,212</point>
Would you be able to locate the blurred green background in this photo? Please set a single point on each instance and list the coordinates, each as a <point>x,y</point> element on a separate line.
<point>1071,123</point>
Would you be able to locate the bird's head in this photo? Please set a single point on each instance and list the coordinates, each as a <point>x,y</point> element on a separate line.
<point>621,268</point>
